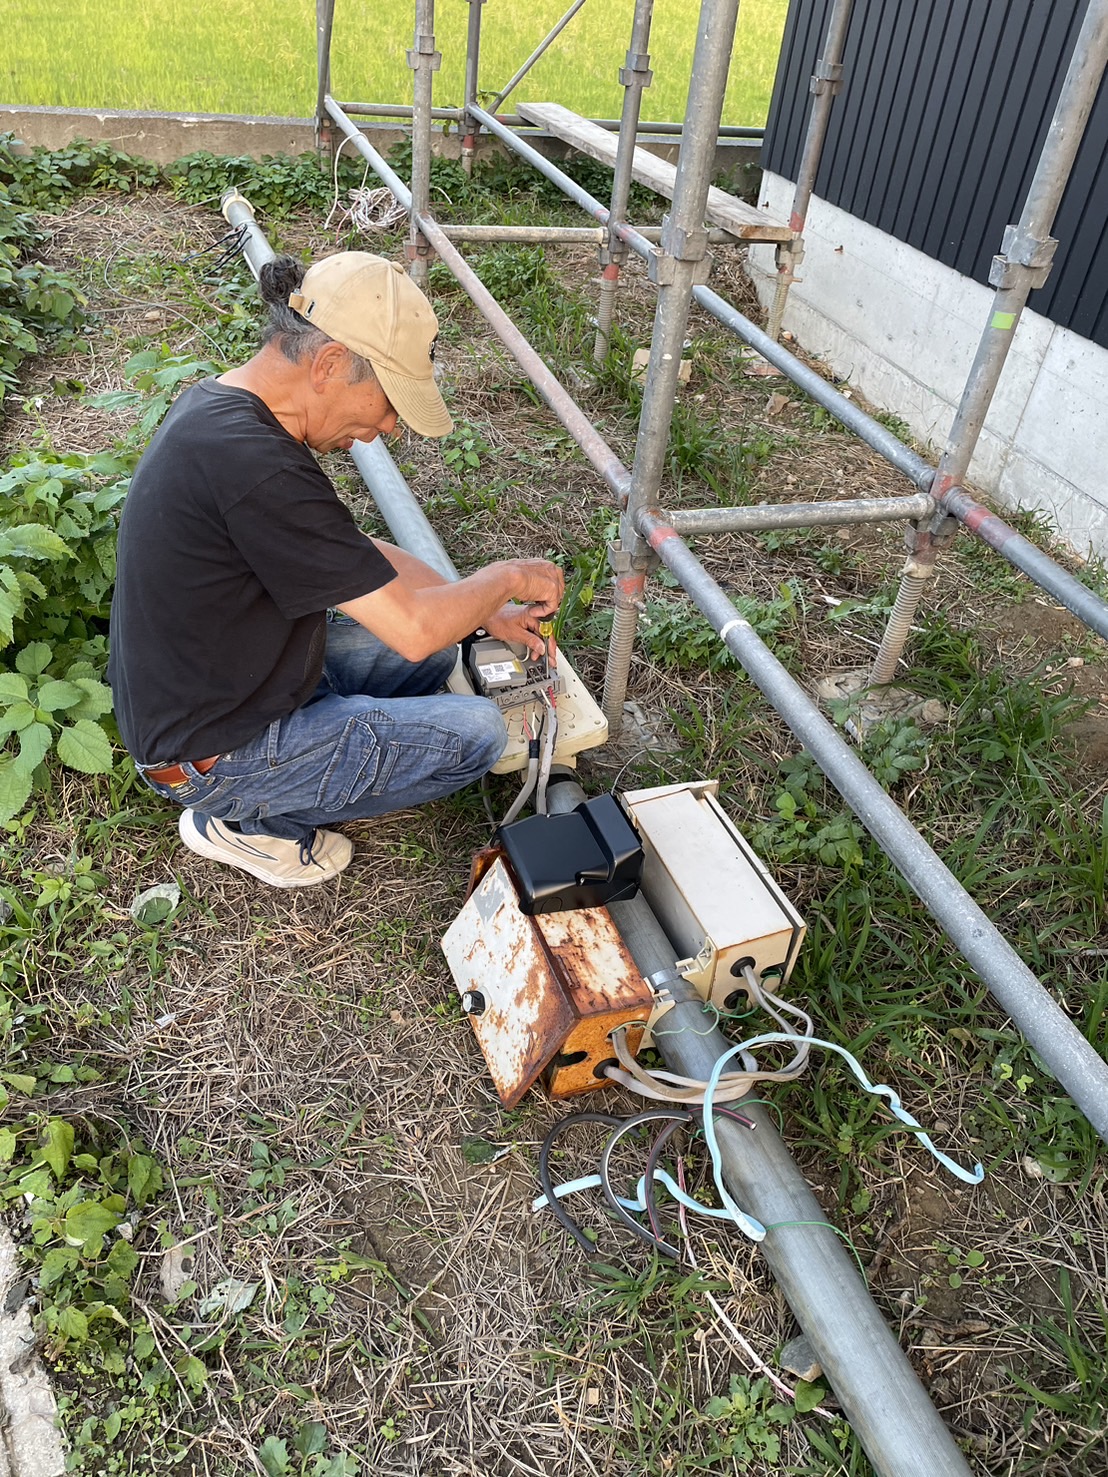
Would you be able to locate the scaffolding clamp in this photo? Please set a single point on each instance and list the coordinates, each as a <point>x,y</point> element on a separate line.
<point>679,245</point>
<point>637,70</point>
<point>1020,253</point>
<point>423,54</point>
<point>635,556</point>
<point>828,77</point>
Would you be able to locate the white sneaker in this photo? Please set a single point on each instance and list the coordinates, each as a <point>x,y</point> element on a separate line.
<point>276,861</point>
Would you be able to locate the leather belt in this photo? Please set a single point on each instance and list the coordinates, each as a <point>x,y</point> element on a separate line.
<point>174,774</point>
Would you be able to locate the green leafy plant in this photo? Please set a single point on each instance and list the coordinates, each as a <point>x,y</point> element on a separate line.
<point>57,549</point>
<point>463,449</point>
<point>750,1420</point>
<point>306,1455</point>
<point>802,828</point>
<point>36,301</point>
<point>157,375</point>
<point>40,709</point>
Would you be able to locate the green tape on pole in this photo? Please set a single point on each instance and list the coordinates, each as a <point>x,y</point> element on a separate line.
<point>1006,321</point>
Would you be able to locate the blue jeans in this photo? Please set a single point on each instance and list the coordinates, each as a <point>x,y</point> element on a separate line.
<point>376,735</point>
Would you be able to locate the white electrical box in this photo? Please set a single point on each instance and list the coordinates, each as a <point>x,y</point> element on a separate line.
<point>712,894</point>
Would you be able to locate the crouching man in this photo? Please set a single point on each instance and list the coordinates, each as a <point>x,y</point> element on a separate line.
<point>274,671</point>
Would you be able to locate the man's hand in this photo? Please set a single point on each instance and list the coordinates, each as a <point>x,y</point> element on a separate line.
<point>534,582</point>
<point>518,625</point>
<point>417,618</point>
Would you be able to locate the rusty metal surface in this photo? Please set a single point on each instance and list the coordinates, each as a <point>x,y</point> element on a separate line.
<point>545,981</point>
<point>495,951</point>
<point>593,962</point>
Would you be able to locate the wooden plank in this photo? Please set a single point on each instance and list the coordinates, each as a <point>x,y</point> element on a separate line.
<point>744,221</point>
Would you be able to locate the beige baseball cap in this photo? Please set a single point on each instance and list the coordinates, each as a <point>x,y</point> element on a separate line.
<point>372,307</point>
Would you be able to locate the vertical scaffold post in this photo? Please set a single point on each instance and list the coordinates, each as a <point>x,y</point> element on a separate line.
<point>470,125</point>
<point>680,262</point>
<point>1026,256</point>
<point>634,75</point>
<point>825,86</point>
<point>324,22</point>
<point>424,61</point>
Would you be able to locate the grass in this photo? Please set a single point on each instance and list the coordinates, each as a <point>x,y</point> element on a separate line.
<point>258,56</point>
<point>298,1070</point>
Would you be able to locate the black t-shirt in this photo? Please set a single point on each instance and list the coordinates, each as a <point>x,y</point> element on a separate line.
<point>232,546</point>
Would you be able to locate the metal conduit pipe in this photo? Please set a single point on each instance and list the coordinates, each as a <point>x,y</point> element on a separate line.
<point>1066,1053</point>
<point>890,1411</point>
<point>595,448</point>
<point>1001,536</point>
<point>691,521</point>
<point>239,213</point>
<point>399,507</point>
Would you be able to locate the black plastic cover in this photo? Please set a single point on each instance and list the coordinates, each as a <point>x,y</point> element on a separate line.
<point>583,859</point>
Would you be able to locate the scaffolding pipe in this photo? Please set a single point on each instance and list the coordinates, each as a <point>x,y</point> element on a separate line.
<point>456,115</point>
<point>681,261</point>
<point>324,22</point>
<point>1024,263</point>
<point>1001,536</point>
<point>635,75</point>
<point>689,522</point>
<point>567,235</point>
<point>513,82</point>
<point>1063,1049</point>
<point>424,61</point>
<point>595,448</point>
<point>825,86</point>
<point>473,67</point>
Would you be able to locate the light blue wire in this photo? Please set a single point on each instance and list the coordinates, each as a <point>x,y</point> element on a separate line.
<point>878,1089</point>
<point>661,1176</point>
<point>746,1223</point>
<point>731,1211</point>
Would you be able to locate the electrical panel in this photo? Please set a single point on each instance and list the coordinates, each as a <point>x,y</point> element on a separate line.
<point>509,674</point>
<point>581,724</point>
<point>715,898</point>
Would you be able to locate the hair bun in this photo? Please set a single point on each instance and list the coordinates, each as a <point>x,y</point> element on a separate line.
<point>280,277</point>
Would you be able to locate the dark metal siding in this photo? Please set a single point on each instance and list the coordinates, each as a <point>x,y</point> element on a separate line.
<point>935,135</point>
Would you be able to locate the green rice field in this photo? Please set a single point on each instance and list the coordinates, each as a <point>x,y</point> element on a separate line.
<point>258,56</point>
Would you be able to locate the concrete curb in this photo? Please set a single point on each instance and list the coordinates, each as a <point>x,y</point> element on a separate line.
<point>32,1444</point>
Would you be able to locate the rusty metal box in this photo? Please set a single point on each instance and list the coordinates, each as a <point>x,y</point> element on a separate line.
<point>712,894</point>
<point>543,992</point>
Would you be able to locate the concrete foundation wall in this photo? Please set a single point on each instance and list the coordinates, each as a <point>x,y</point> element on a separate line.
<point>904,329</point>
<point>164,137</point>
